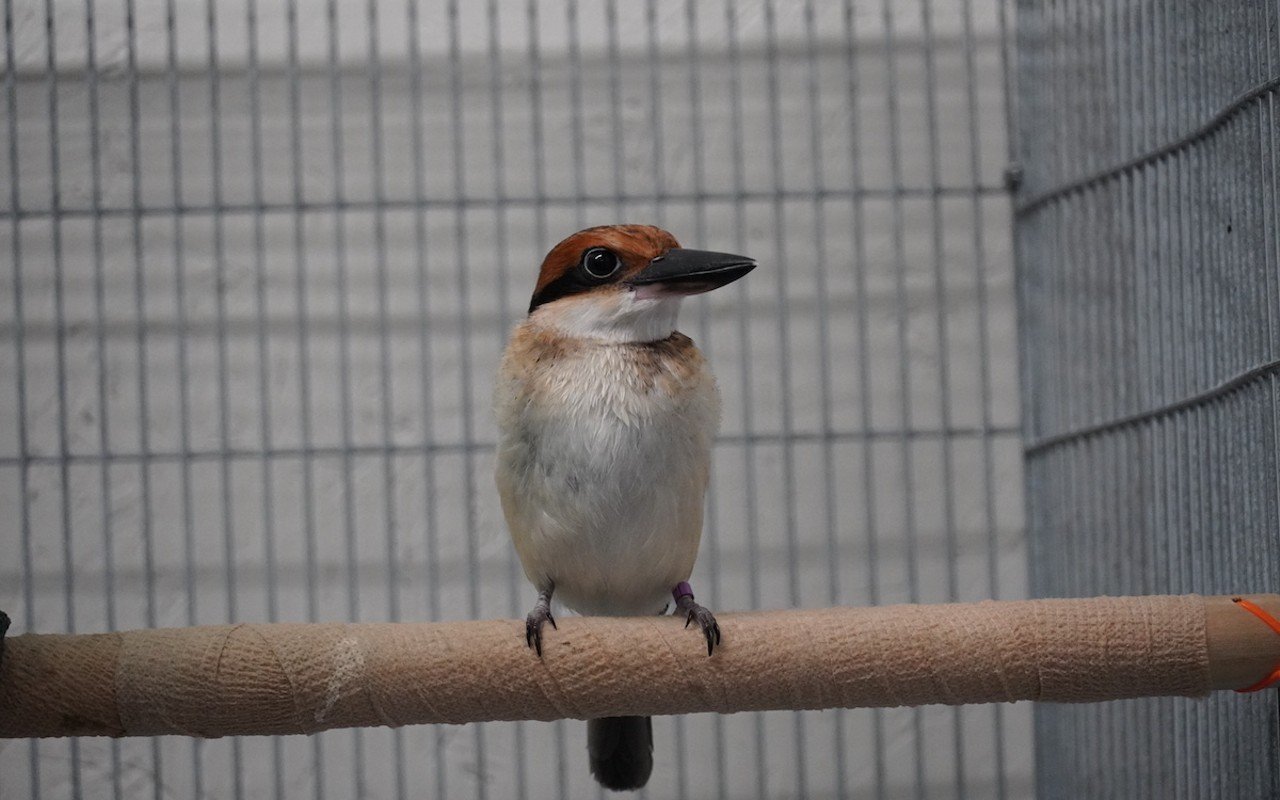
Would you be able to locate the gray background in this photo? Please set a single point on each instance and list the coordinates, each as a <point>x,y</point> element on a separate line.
<point>259,268</point>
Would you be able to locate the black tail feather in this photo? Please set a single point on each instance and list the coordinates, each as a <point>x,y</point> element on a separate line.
<point>621,751</point>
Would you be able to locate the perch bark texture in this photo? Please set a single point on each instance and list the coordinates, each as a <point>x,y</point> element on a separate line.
<point>302,678</point>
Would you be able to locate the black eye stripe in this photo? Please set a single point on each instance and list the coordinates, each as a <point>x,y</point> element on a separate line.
<point>567,284</point>
<point>581,278</point>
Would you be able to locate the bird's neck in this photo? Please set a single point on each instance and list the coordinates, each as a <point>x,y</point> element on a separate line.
<point>616,320</point>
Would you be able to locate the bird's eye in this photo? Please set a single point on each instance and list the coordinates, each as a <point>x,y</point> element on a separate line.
<point>600,263</point>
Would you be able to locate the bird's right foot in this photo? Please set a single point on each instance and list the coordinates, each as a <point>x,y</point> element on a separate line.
<point>539,616</point>
<point>695,613</point>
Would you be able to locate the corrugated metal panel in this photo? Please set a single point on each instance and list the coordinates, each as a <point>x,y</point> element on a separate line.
<point>1149,258</point>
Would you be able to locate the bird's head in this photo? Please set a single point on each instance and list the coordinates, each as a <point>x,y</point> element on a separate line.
<point>625,282</point>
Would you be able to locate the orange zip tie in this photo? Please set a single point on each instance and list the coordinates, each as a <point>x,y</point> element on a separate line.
<point>1272,623</point>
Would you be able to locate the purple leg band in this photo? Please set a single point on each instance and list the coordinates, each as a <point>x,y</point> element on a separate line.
<point>682,589</point>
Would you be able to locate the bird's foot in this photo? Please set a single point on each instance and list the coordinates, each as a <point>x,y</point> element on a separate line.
<point>539,616</point>
<point>4,628</point>
<point>693,612</point>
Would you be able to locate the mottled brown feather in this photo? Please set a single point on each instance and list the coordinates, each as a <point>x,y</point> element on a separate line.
<point>668,365</point>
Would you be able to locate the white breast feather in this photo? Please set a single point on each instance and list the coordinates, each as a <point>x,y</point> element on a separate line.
<point>602,475</point>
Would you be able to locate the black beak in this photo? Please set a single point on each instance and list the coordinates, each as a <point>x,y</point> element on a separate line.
<point>681,271</point>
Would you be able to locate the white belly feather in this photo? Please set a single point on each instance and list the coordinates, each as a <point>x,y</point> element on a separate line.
<point>603,463</point>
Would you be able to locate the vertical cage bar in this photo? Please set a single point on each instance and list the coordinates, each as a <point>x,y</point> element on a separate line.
<point>615,107</point>
<point>104,439</point>
<point>341,265</point>
<point>178,254</point>
<point>390,519</point>
<point>265,463</point>
<point>262,332</point>
<point>748,412</point>
<point>503,243</point>
<point>464,344</point>
<point>981,267</point>
<point>426,362</point>
<point>700,227</point>
<point>537,137</point>
<point>941,324</point>
<point>232,606</point>
<point>300,293</point>
<point>538,146</point>
<point>817,176</point>
<point>680,739</point>
<point>784,362</point>
<point>577,135</point>
<point>140,349</point>
<point>140,330</point>
<point>906,473</point>
<point>52,84</point>
<point>20,361</point>
<point>862,314</point>
<point>658,164</point>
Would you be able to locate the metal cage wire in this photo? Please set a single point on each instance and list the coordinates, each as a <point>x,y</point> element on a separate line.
<point>262,261</point>
<point>1149,250</point>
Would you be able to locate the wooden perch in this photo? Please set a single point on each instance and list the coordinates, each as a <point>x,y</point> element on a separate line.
<point>301,678</point>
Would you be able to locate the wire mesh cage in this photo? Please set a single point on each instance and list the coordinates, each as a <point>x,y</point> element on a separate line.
<point>1149,252</point>
<point>262,260</point>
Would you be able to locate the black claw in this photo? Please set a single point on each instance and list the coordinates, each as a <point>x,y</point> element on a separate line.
<point>533,623</point>
<point>706,620</point>
<point>533,634</point>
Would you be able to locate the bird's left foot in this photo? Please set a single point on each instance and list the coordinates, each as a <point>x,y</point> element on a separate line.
<point>693,612</point>
<point>539,616</point>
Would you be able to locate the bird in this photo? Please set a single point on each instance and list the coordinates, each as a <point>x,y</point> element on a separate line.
<point>606,416</point>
